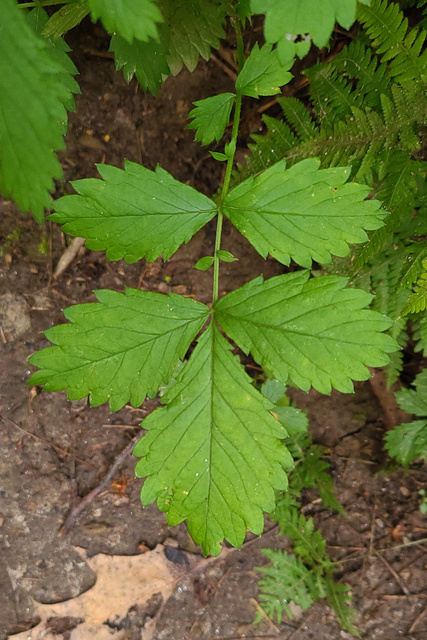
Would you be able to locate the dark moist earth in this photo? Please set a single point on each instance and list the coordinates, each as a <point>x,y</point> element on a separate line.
<point>54,451</point>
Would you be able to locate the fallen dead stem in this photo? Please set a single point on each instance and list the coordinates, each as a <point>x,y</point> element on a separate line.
<point>378,551</point>
<point>264,614</point>
<point>303,624</point>
<point>198,621</point>
<point>417,621</point>
<point>76,511</point>
<point>394,574</point>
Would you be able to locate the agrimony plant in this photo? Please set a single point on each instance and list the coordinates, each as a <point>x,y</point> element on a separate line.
<point>213,454</point>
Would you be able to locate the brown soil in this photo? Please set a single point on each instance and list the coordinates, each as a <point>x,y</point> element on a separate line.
<point>54,451</point>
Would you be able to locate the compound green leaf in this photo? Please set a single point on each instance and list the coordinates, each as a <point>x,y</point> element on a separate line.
<point>65,18</point>
<point>407,441</point>
<point>212,455</point>
<point>312,333</point>
<point>146,60</point>
<point>304,213</point>
<point>262,73</point>
<point>57,49</point>
<point>192,27</point>
<point>211,116</point>
<point>133,212</point>
<point>120,349</point>
<point>32,113</point>
<point>129,18</point>
<point>415,400</point>
<point>285,19</point>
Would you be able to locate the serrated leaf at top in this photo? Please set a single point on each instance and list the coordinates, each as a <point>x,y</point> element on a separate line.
<point>134,213</point>
<point>211,116</point>
<point>312,333</point>
<point>316,18</point>
<point>263,74</point>
<point>213,454</point>
<point>34,89</point>
<point>303,213</point>
<point>146,60</point>
<point>120,349</point>
<point>129,18</point>
<point>193,27</point>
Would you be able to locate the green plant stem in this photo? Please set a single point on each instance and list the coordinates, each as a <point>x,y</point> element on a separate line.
<point>42,3</point>
<point>230,162</point>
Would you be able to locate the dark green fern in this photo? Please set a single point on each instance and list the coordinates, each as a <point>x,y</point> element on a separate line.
<point>306,575</point>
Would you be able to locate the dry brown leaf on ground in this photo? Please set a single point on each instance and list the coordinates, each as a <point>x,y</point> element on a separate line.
<point>121,582</point>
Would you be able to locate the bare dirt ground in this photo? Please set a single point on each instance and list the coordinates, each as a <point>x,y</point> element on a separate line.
<point>120,572</point>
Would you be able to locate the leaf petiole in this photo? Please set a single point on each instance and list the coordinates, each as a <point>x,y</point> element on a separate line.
<point>42,3</point>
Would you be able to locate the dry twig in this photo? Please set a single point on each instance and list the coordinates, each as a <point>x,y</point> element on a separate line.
<point>394,574</point>
<point>76,511</point>
<point>417,620</point>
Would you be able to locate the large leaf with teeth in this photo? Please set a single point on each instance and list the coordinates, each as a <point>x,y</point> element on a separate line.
<point>213,454</point>
<point>303,213</point>
<point>134,213</point>
<point>308,332</point>
<point>120,349</point>
<point>129,18</point>
<point>36,88</point>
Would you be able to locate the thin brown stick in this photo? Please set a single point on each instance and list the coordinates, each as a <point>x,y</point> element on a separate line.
<point>224,67</point>
<point>121,426</point>
<point>394,574</point>
<point>264,615</point>
<point>388,596</point>
<point>296,632</point>
<point>417,620</point>
<point>76,511</point>
<point>58,449</point>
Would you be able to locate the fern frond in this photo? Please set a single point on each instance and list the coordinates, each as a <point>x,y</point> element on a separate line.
<point>397,193</point>
<point>357,62</point>
<point>418,299</point>
<point>387,27</point>
<point>310,472</point>
<point>308,541</point>
<point>266,150</point>
<point>413,266</point>
<point>354,78</point>
<point>339,600</point>
<point>420,334</point>
<point>287,579</point>
<point>298,116</point>
<point>363,140</point>
<point>332,94</point>
<point>390,300</point>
